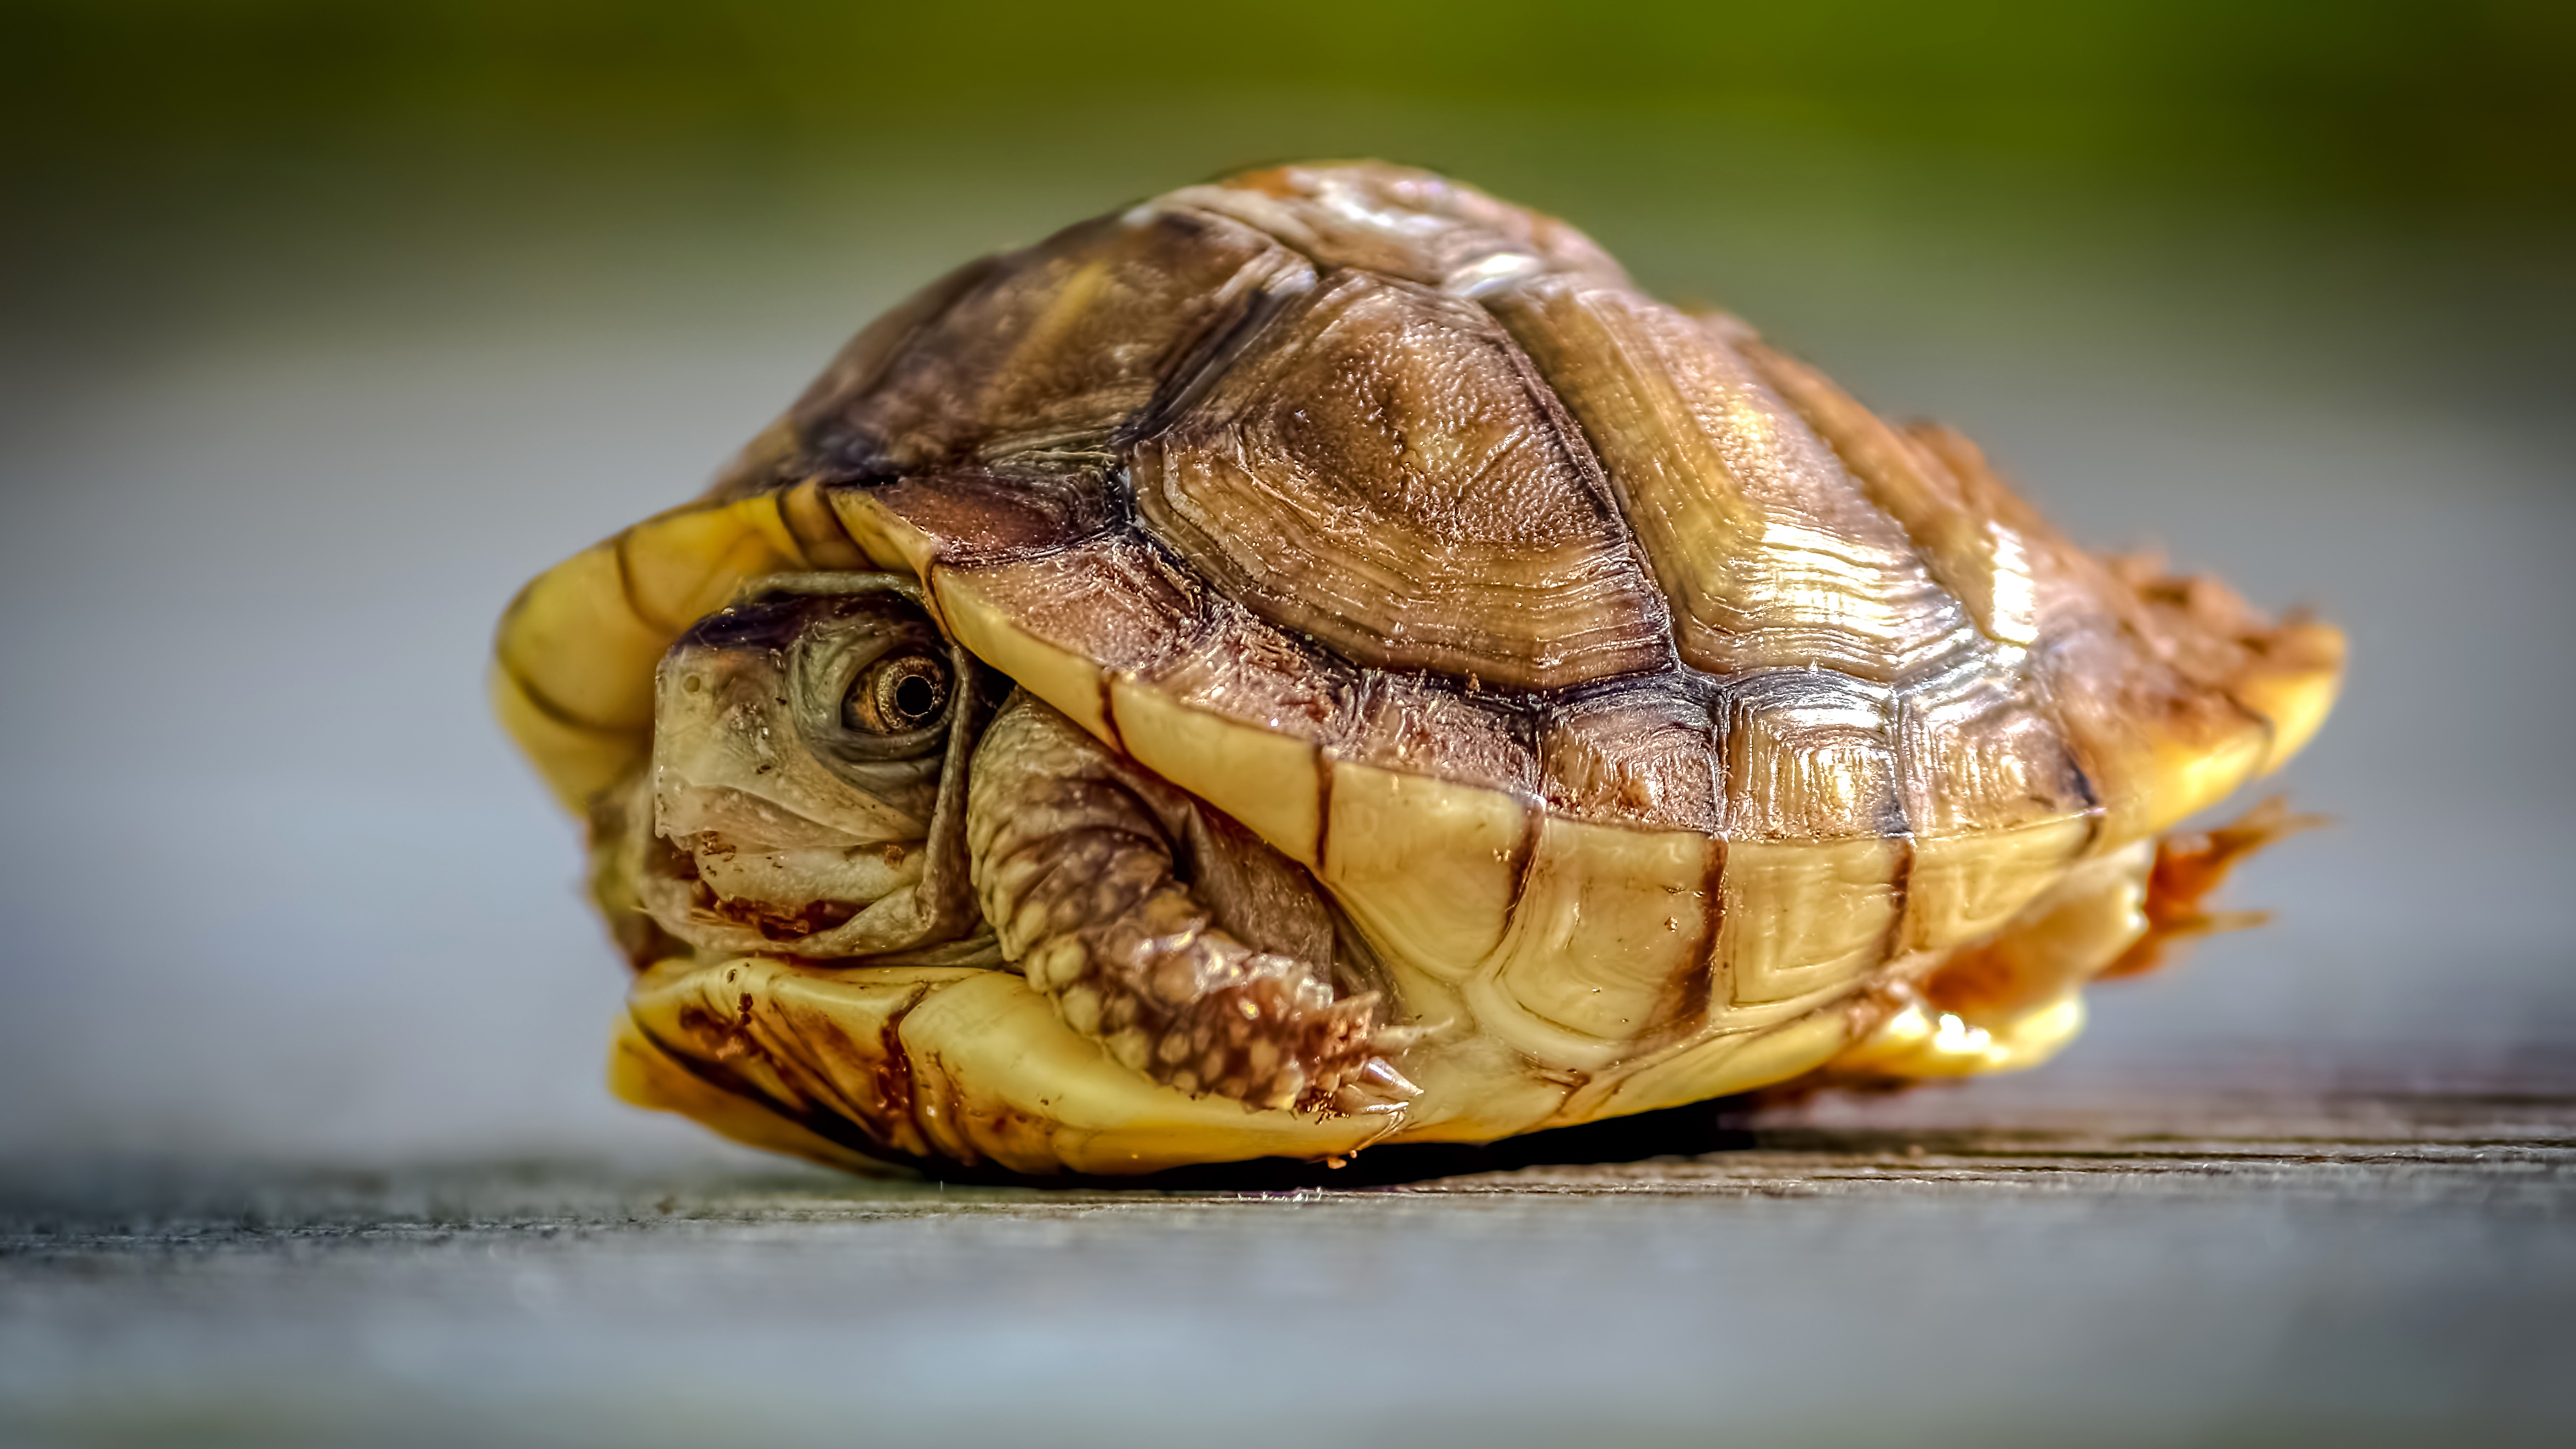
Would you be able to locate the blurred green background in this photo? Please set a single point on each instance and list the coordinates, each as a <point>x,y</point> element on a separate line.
<point>2414,101</point>
<point>132,128</point>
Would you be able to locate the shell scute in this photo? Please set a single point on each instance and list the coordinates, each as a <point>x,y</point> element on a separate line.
<point>1969,538</point>
<point>1804,920</point>
<point>1424,726</point>
<point>1609,942</point>
<point>1428,867</point>
<point>1638,752</point>
<point>1054,349</point>
<point>1959,888</point>
<point>1808,755</point>
<point>1148,660</point>
<point>981,513</point>
<point>1105,597</point>
<point>1768,553</point>
<point>1980,751</point>
<point>1382,471</point>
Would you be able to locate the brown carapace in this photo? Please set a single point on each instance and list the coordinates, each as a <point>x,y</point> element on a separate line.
<point>1320,659</point>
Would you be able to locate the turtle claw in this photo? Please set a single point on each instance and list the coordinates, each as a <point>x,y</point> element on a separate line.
<point>1374,1089</point>
<point>1352,1073</point>
<point>1381,1075</point>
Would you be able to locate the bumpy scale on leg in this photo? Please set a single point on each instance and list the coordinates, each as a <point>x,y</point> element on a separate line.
<point>1076,866</point>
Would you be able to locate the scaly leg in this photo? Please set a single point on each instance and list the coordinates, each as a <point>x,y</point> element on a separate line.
<point>1079,858</point>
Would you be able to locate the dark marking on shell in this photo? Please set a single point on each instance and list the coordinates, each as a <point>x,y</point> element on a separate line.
<point>652,619</point>
<point>1684,1009</point>
<point>892,1077</point>
<point>1699,988</point>
<point>1533,822</point>
<point>545,704</point>
<point>1109,707</point>
<point>1325,758</point>
<point>833,1127</point>
<point>806,509</point>
<point>1900,889</point>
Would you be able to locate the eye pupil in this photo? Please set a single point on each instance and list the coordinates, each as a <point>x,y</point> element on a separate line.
<point>897,696</point>
<point>915,698</point>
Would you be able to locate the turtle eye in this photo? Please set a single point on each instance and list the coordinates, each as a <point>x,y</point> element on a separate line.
<point>897,695</point>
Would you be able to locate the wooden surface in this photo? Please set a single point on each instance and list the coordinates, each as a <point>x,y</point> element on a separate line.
<point>1946,1267</point>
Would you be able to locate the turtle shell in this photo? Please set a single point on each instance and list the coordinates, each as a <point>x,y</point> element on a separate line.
<point>1633,688</point>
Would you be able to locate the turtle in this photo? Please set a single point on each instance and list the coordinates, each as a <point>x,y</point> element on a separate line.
<point>1319,659</point>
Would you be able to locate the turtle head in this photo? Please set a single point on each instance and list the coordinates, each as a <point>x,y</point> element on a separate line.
<point>805,794</point>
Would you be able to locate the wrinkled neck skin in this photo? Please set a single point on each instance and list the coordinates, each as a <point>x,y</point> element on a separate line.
<point>805,795</point>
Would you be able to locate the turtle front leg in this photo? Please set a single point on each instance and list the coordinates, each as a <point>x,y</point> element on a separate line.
<point>1079,857</point>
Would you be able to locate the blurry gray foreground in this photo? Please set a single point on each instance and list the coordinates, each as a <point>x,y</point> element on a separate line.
<point>1928,1270</point>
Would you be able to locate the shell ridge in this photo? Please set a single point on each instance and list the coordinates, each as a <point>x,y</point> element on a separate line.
<point>1401,221</point>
